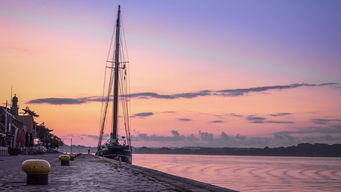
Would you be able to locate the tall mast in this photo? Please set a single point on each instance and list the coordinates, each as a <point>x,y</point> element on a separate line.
<point>116,71</point>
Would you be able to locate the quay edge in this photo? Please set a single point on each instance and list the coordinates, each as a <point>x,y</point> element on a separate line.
<point>184,184</point>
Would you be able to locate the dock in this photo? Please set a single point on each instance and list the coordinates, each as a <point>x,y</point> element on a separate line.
<point>92,173</point>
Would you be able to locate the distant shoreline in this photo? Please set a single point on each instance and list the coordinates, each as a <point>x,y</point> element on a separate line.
<point>300,150</point>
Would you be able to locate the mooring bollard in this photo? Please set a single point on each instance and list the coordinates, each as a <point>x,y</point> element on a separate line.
<point>64,160</point>
<point>72,157</point>
<point>37,171</point>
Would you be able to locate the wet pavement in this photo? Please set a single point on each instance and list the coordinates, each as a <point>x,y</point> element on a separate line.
<point>91,173</point>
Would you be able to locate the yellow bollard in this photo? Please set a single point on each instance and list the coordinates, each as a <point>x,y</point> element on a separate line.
<point>72,156</point>
<point>64,160</point>
<point>37,171</point>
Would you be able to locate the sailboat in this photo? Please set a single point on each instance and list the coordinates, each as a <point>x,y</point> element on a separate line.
<point>117,147</point>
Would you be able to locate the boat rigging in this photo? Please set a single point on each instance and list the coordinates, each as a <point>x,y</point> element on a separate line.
<point>116,147</point>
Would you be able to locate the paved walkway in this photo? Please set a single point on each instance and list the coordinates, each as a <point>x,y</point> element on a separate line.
<point>89,173</point>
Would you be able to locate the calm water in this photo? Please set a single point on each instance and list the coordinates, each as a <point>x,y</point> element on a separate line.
<point>251,173</point>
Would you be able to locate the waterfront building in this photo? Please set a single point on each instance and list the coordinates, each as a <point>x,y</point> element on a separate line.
<point>11,129</point>
<point>19,132</point>
<point>16,131</point>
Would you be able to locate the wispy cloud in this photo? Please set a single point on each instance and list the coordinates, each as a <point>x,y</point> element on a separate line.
<point>169,112</point>
<point>143,114</point>
<point>217,121</point>
<point>263,120</point>
<point>228,114</point>
<point>187,95</point>
<point>274,122</point>
<point>240,92</point>
<point>324,121</point>
<point>59,101</point>
<point>333,129</point>
<point>94,137</point>
<point>184,119</point>
<point>280,114</point>
<point>235,115</point>
<point>255,118</point>
<point>226,92</point>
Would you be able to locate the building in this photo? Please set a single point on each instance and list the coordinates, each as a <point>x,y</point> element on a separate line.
<point>16,131</point>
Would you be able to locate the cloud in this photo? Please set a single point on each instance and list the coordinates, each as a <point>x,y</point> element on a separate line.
<point>147,95</point>
<point>144,114</point>
<point>207,139</point>
<point>186,95</point>
<point>205,136</point>
<point>171,112</point>
<point>153,137</point>
<point>324,121</point>
<point>235,115</point>
<point>228,114</point>
<point>240,92</point>
<point>59,101</point>
<point>333,129</point>
<point>315,134</point>
<point>226,92</point>
<point>280,114</point>
<point>147,114</point>
<point>184,119</point>
<point>217,121</point>
<point>255,118</point>
<point>96,137</point>
<point>279,122</point>
<point>261,120</point>
<point>175,133</point>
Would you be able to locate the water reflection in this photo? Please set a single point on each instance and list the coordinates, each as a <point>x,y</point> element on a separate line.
<point>251,173</point>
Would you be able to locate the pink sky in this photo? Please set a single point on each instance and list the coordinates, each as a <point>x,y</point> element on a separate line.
<point>57,49</point>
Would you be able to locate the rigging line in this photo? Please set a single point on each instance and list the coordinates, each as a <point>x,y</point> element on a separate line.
<point>124,90</point>
<point>127,125</point>
<point>104,113</point>
<point>127,120</point>
<point>127,85</point>
<point>102,103</point>
<point>124,41</point>
<point>124,113</point>
<point>128,75</point>
<point>127,115</point>
<point>106,107</point>
<point>121,85</point>
<point>102,124</point>
<point>124,100</point>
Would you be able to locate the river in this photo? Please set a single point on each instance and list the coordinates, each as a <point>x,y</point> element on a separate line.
<point>251,173</point>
